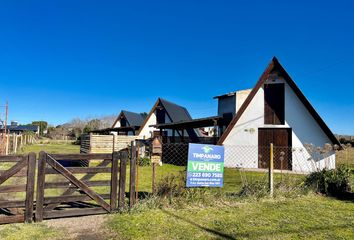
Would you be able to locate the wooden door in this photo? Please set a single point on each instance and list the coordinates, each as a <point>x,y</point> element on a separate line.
<point>281,139</point>
<point>274,104</point>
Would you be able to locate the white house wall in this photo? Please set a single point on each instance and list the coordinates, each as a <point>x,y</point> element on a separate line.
<point>243,138</point>
<point>147,131</point>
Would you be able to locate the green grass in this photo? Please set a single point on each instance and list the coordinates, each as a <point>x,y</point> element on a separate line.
<point>27,232</point>
<point>310,217</point>
<point>51,148</point>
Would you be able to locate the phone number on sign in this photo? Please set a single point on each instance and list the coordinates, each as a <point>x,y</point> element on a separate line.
<point>216,175</point>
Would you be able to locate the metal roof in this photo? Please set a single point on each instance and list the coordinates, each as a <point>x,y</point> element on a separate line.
<point>175,112</point>
<point>133,119</point>
<point>195,123</point>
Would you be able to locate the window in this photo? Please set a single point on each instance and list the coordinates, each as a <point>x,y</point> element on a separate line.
<point>160,115</point>
<point>274,104</point>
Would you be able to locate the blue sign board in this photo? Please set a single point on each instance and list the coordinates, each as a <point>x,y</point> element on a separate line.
<point>205,165</point>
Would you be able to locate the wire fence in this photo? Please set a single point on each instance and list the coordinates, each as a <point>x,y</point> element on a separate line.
<point>243,165</point>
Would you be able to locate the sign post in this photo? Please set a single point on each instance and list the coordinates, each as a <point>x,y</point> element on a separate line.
<point>205,165</point>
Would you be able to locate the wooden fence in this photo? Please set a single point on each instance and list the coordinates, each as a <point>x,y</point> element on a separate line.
<point>16,195</point>
<point>65,191</point>
<point>12,143</point>
<point>91,143</point>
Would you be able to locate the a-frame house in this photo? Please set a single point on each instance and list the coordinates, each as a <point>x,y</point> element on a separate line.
<point>276,111</point>
<point>162,112</point>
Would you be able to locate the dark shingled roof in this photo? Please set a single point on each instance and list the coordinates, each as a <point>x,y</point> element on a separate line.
<point>175,112</point>
<point>133,119</point>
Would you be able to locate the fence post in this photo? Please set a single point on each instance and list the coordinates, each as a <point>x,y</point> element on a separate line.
<point>122,179</point>
<point>132,174</point>
<point>40,186</point>
<point>7,144</point>
<point>114,181</point>
<point>31,169</point>
<point>271,167</point>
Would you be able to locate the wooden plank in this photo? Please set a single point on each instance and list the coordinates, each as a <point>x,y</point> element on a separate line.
<point>132,175</point>
<point>12,204</point>
<point>30,187</point>
<point>81,170</point>
<point>114,181</point>
<point>10,172</point>
<point>97,198</point>
<point>40,186</point>
<point>71,198</point>
<point>21,173</point>
<point>81,156</point>
<point>72,213</point>
<point>12,188</point>
<point>11,219</point>
<point>10,158</point>
<point>84,178</point>
<point>99,183</point>
<point>122,179</point>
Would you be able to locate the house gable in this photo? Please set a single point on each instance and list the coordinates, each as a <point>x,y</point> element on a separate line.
<point>256,109</point>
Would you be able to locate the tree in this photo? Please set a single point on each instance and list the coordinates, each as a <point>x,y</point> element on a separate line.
<point>42,126</point>
<point>92,125</point>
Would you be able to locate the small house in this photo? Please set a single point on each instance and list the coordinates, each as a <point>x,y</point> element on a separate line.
<point>127,123</point>
<point>164,112</point>
<point>20,129</point>
<point>275,111</point>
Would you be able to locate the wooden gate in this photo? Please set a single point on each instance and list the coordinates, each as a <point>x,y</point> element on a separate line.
<point>77,191</point>
<point>17,188</point>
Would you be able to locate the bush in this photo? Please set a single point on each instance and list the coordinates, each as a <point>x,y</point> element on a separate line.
<point>171,186</point>
<point>334,182</point>
<point>144,161</point>
<point>256,189</point>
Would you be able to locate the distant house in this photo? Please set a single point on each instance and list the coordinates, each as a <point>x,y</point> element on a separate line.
<point>19,129</point>
<point>127,123</point>
<point>275,111</point>
<point>164,112</point>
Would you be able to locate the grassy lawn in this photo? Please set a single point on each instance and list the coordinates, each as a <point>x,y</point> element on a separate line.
<point>27,232</point>
<point>51,148</point>
<point>307,217</point>
<point>310,217</point>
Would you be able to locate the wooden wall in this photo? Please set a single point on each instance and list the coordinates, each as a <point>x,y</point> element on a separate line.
<point>104,143</point>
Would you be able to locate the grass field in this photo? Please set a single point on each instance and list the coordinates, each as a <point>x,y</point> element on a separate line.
<point>51,148</point>
<point>310,217</point>
<point>307,217</point>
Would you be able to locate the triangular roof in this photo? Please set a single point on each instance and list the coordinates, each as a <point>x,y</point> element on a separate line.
<point>133,119</point>
<point>275,65</point>
<point>175,112</point>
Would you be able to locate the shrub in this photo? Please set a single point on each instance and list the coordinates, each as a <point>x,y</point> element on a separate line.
<point>334,182</point>
<point>144,161</point>
<point>256,189</point>
<point>171,186</point>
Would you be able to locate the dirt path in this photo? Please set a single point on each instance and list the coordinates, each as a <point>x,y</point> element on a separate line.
<point>88,227</point>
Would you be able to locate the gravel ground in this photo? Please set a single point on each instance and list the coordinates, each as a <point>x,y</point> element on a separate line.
<point>88,227</point>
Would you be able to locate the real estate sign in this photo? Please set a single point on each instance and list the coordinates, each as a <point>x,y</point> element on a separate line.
<point>205,165</point>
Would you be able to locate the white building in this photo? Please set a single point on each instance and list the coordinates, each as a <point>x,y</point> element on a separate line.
<point>275,111</point>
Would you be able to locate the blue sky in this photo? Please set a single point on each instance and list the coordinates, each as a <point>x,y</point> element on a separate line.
<point>66,59</point>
